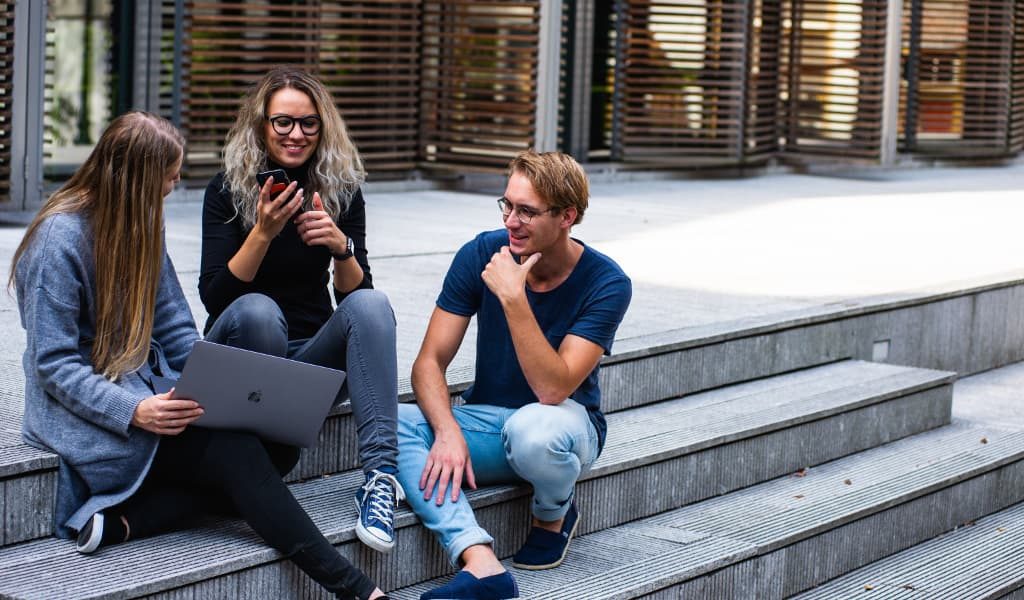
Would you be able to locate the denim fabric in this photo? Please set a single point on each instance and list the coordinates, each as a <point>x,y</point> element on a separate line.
<point>359,339</point>
<point>545,446</point>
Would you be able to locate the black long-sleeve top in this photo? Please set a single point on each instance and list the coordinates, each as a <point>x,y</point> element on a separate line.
<point>294,275</point>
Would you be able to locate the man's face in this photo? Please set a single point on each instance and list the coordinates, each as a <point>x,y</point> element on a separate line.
<point>545,225</point>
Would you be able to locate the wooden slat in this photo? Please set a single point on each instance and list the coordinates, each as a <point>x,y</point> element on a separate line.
<point>478,80</point>
<point>684,85</point>
<point>1016,137</point>
<point>366,52</point>
<point>832,77</point>
<point>963,85</point>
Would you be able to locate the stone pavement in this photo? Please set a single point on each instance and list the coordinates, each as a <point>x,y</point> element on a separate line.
<point>701,253</point>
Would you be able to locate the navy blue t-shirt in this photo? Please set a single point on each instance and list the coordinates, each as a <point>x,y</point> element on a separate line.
<point>589,304</point>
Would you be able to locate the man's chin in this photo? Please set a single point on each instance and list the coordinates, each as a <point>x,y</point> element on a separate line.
<point>518,247</point>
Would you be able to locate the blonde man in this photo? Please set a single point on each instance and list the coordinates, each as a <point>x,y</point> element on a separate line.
<point>547,309</point>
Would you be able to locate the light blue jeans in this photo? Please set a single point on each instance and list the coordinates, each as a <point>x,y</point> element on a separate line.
<point>546,446</point>
<point>359,338</point>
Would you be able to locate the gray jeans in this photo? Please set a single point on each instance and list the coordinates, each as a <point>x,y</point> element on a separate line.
<point>359,339</point>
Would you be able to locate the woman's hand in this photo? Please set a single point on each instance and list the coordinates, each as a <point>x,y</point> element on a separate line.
<point>273,213</point>
<point>317,228</point>
<point>161,415</point>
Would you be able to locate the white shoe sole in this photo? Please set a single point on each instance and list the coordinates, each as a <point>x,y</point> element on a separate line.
<point>91,544</point>
<point>366,536</point>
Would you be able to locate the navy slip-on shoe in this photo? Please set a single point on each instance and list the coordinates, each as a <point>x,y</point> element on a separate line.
<point>546,549</point>
<point>465,586</point>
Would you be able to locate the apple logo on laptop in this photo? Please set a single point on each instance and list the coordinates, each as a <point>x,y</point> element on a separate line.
<point>255,397</point>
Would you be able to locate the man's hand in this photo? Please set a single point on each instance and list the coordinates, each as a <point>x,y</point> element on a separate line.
<point>161,415</point>
<point>505,277</point>
<point>447,463</point>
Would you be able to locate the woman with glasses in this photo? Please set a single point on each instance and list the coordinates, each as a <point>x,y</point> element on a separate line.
<point>273,255</point>
<point>104,317</point>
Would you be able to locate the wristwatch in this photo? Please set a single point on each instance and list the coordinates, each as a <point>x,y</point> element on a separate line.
<point>350,250</point>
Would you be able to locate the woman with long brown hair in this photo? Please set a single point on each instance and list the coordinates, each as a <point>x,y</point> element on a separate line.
<point>104,316</point>
<point>268,258</point>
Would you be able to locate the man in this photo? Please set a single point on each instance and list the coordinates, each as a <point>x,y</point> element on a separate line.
<point>547,308</point>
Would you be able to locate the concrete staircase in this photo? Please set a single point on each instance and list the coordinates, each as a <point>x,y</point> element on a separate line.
<point>749,459</point>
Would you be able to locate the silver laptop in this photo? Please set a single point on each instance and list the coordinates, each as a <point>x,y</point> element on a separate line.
<point>278,399</point>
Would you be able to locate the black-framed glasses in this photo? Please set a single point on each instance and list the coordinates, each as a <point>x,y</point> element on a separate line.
<point>283,124</point>
<point>525,214</point>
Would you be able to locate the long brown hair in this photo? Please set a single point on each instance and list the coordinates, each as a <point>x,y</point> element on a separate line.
<point>335,169</point>
<point>119,189</point>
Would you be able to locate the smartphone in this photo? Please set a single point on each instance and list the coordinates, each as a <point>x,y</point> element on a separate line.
<point>281,180</point>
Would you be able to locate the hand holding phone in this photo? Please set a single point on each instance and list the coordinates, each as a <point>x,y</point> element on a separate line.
<point>281,180</point>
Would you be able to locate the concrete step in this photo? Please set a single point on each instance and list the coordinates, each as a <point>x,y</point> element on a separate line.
<point>782,537</point>
<point>982,560</point>
<point>964,330</point>
<point>635,378</point>
<point>715,442</point>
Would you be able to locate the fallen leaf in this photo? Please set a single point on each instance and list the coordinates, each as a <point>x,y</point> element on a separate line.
<point>798,496</point>
<point>908,587</point>
<point>984,440</point>
<point>800,473</point>
<point>869,587</point>
<point>848,482</point>
<point>1000,529</point>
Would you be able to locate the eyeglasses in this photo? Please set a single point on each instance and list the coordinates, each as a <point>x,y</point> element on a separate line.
<point>524,214</point>
<point>283,124</point>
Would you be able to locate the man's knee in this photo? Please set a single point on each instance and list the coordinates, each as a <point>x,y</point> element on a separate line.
<point>536,432</point>
<point>410,422</point>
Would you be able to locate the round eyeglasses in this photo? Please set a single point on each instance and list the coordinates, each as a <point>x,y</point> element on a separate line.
<point>283,124</point>
<point>524,214</point>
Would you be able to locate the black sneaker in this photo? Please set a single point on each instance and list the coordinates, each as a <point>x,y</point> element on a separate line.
<point>91,536</point>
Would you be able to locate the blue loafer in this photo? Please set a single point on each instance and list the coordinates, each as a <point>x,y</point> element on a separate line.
<point>546,549</point>
<point>465,586</point>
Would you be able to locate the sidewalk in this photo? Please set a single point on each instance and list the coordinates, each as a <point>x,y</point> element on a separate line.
<point>699,252</point>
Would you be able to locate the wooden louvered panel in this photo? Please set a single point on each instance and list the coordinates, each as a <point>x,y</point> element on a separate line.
<point>833,77</point>
<point>987,75</point>
<point>1016,137</point>
<point>683,81</point>
<point>960,83</point>
<point>6,97</point>
<point>365,52</point>
<point>479,81</point>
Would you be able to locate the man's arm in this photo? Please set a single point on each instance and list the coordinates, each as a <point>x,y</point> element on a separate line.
<point>449,459</point>
<point>551,374</point>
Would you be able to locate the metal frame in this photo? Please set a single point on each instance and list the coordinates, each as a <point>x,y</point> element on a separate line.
<point>546,136</point>
<point>891,86</point>
<point>27,104</point>
<point>579,64</point>
<point>146,67</point>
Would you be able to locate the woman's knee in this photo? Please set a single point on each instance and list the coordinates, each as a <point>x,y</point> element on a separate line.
<point>254,322</point>
<point>369,308</point>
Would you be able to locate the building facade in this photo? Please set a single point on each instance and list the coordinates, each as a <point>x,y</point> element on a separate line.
<point>434,87</point>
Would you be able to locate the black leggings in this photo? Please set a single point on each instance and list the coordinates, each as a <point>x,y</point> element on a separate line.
<point>205,470</point>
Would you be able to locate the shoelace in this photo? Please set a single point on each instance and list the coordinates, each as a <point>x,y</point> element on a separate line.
<point>380,496</point>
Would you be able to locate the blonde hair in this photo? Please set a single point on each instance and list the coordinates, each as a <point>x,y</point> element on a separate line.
<point>119,189</point>
<point>556,177</point>
<point>335,168</point>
